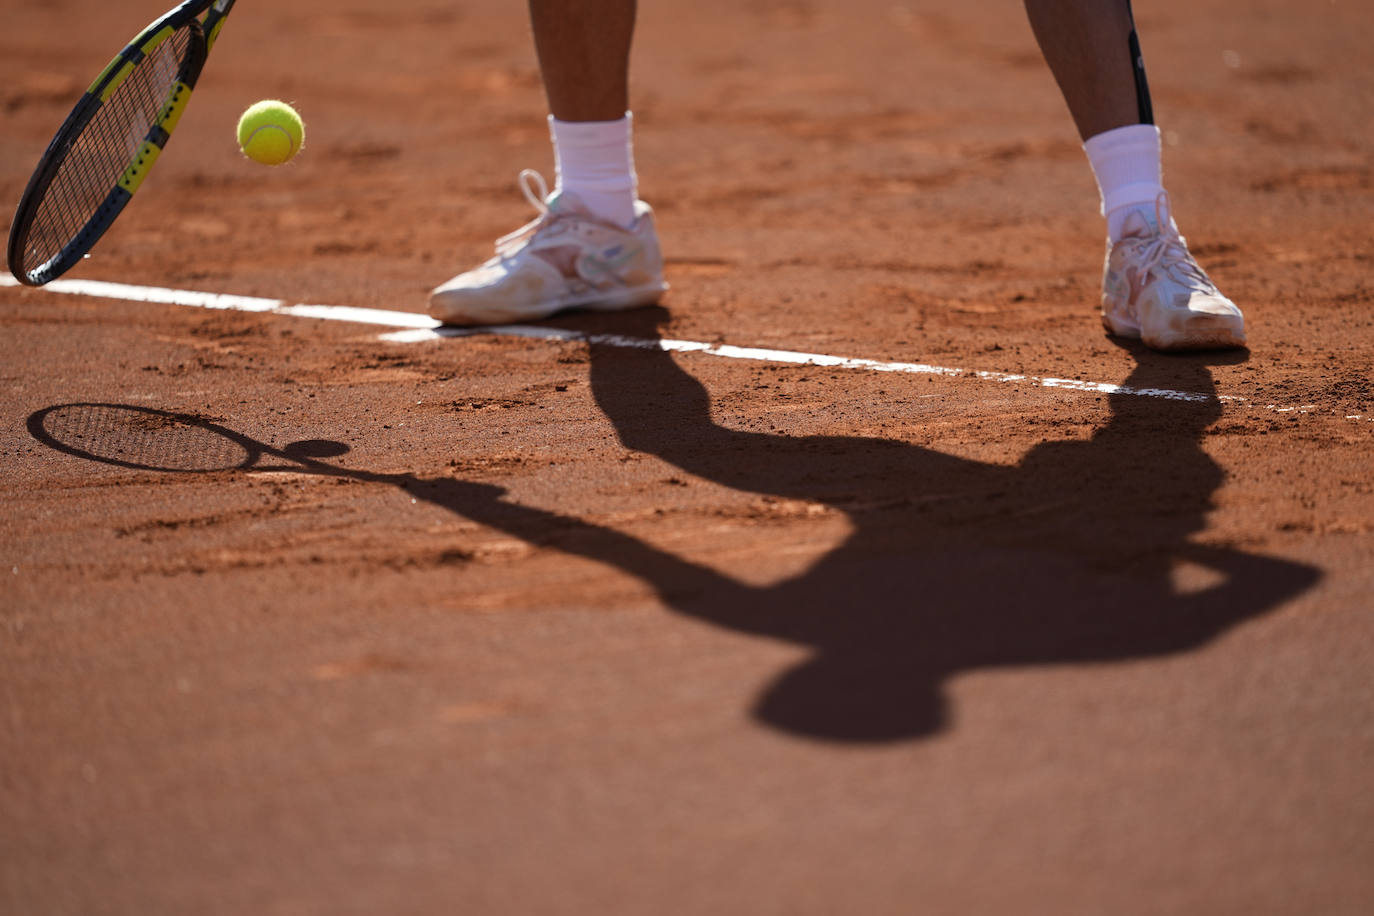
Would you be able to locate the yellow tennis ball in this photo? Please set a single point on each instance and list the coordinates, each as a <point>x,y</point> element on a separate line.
<point>271,132</point>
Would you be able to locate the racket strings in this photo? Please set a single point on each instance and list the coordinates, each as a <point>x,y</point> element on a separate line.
<point>102,152</point>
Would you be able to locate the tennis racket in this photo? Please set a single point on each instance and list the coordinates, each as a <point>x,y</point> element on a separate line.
<point>1142,87</point>
<point>110,141</point>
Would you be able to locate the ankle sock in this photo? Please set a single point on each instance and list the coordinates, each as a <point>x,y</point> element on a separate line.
<point>595,161</point>
<point>1126,163</point>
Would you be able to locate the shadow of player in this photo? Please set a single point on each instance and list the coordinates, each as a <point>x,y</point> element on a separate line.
<point>952,564</point>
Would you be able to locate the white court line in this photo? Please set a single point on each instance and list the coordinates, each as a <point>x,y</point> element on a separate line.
<point>418,328</point>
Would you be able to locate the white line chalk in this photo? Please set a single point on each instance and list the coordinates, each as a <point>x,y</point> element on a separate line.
<point>796,358</point>
<point>417,328</point>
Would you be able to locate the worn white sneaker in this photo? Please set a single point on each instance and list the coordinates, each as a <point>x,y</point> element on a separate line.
<point>566,258</point>
<point>1154,290</point>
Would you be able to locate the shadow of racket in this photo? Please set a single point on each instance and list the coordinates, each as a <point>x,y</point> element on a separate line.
<point>147,439</point>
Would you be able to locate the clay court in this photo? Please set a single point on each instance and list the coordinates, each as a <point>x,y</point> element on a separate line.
<point>863,575</point>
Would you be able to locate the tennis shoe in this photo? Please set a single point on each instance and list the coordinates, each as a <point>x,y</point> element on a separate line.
<point>566,258</point>
<point>1153,289</point>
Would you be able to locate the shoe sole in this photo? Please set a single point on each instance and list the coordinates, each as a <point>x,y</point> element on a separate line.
<point>469,313</point>
<point>1204,332</point>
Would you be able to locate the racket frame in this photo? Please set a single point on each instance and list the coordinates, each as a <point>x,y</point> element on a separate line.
<point>203,36</point>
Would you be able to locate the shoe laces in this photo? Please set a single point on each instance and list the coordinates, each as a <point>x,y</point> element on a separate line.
<point>536,191</point>
<point>1168,251</point>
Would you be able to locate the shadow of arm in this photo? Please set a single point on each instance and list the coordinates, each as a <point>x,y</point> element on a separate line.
<point>672,577</point>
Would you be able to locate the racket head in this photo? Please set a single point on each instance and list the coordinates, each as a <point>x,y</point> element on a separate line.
<point>143,438</point>
<point>106,147</point>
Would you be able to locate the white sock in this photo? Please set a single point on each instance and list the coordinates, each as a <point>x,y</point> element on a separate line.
<point>1126,163</point>
<point>595,161</point>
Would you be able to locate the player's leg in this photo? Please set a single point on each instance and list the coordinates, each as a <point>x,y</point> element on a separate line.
<point>1152,287</point>
<point>594,243</point>
<point>1087,45</point>
<point>584,56</point>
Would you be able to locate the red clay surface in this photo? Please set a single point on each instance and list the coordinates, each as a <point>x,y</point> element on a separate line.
<point>577,629</point>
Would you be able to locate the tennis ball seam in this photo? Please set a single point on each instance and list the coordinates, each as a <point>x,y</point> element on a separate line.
<point>290,140</point>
